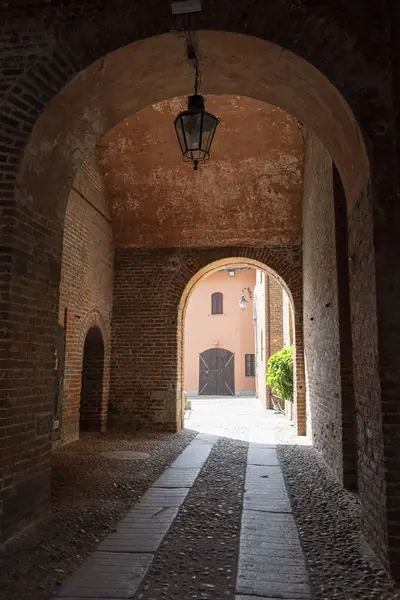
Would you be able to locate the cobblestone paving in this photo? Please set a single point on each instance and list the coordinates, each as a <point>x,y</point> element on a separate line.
<point>196,533</point>
<point>218,522</point>
<point>340,565</point>
<point>118,566</point>
<point>90,494</point>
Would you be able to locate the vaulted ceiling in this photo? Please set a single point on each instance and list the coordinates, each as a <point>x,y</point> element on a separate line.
<point>250,190</point>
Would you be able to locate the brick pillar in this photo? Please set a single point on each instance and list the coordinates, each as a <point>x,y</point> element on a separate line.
<point>287,320</point>
<point>274,321</point>
<point>29,275</point>
<point>276,307</point>
<point>349,433</point>
<point>387,235</point>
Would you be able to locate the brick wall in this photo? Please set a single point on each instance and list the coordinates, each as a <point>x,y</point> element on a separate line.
<point>349,432</point>
<point>259,312</point>
<point>287,320</point>
<point>367,387</point>
<point>85,288</point>
<point>145,355</point>
<point>321,320</point>
<point>327,323</point>
<point>270,325</point>
<point>272,329</point>
<point>276,327</point>
<point>276,318</point>
<point>288,340</point>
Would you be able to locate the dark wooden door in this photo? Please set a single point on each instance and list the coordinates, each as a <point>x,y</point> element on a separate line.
<point>217,373</point>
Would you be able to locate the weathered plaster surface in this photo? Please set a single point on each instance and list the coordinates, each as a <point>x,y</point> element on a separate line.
<point>251,186</point>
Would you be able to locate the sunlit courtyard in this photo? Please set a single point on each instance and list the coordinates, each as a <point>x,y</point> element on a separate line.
<point>240,419</point>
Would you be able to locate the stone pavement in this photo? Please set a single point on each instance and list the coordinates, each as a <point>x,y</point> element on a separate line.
<point>241,418</point>
<point>271,561</point>
<point>199,496</point>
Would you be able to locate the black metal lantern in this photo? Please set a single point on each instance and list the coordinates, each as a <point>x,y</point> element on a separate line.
<point>195,127</point>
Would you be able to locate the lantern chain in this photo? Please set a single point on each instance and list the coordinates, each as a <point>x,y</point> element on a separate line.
<point>193,118</point>
<point>197,78</point>
<point>191,52</point>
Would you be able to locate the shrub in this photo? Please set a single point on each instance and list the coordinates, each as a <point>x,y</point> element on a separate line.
<point>280,373</point>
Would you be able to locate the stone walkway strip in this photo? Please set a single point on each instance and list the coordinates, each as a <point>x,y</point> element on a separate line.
<point>198,557</point>
<point>271,560</point>
<point>116,569</point>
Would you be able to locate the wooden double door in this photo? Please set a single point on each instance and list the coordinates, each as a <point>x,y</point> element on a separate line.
<point>217,373</point>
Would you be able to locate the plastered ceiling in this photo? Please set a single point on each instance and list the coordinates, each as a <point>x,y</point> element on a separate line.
<point>249,192</point>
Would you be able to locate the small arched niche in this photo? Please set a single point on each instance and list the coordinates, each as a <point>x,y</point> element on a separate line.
<point>90,415</point>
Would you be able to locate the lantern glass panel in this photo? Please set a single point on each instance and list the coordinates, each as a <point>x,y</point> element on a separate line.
<point>209,125</point>
<point>192,124</point>
<point>180,133</point>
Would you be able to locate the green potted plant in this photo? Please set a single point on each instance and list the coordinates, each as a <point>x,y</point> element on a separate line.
<point>279,375</point>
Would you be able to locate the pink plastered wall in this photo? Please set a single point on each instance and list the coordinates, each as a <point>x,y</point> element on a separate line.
<point>232,330</point>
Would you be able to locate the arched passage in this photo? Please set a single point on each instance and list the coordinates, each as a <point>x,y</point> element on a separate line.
<point>110,90</point>
<point>121,83</point>
<point>91,405</point>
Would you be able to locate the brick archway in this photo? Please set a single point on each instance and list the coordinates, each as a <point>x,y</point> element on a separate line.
<point>92,320</point>
<point>147,330</point>
<point>290,277</point>
<point>49,127</point>
<point>121,83</point>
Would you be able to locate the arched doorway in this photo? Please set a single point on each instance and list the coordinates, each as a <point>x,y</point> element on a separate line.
<point>90,416</point>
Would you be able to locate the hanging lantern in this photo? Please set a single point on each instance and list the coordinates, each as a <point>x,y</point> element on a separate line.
<point>195,127</point>
<point>243,303</point>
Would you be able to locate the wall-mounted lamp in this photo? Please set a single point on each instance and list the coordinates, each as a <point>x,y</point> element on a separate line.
<point>231,273</point>
<point>243,301</point>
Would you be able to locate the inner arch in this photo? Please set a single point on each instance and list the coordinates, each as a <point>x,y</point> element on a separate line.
<point>295,300</point>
